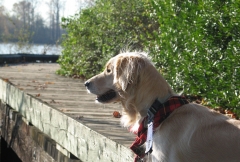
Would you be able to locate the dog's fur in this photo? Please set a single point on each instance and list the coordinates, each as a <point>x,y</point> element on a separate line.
<point>191,133</point>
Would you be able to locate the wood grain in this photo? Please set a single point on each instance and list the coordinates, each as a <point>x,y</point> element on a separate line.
<point>61,109</point>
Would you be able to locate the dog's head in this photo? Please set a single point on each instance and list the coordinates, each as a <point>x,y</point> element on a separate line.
<point>120,76</point>
<point>129,78</point>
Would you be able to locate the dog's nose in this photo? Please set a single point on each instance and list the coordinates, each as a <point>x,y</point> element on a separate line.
<point>87,84</point>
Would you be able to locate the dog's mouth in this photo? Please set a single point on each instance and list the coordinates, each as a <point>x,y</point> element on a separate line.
<point>107,96</point>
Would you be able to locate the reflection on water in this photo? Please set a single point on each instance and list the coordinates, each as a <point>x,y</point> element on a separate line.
<point>14,48</point>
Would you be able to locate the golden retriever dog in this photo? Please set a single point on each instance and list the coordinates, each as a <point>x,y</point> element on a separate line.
<point>177,131</point>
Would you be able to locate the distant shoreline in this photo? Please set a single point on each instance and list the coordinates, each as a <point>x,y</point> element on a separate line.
<point>26,58</point>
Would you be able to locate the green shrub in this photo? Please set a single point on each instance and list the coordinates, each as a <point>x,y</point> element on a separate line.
<point>100,32</point>
<point>82,46</point>
<point>195,44</point>
<point>198,48</point>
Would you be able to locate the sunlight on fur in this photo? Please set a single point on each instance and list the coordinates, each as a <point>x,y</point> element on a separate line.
<point>190,133</point>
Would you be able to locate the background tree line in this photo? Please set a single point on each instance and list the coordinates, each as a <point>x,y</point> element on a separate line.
<point>26,25</point>
<point>195,44</point>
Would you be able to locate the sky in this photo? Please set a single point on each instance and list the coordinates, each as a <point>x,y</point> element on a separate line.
<point>70,7</point>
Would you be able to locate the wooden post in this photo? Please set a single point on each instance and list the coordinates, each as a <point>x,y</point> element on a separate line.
<point>29,143</point>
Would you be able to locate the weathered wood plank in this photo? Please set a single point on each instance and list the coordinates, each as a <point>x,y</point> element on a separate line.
<point>29,143</point>
<point>82,141</point>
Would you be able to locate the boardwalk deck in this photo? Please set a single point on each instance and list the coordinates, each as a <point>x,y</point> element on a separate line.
<point>61,108</point>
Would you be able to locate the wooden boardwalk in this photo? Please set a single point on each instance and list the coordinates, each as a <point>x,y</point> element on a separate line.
<point>61,108</point>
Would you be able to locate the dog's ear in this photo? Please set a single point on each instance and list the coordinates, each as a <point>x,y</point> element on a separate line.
<point>127,69</point>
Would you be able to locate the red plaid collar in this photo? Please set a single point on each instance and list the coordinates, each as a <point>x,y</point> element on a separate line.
<point>157,113</point>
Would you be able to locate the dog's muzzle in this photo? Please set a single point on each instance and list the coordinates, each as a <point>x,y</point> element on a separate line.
<point>107,96</point>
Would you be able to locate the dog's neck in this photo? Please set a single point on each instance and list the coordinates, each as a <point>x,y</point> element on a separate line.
<point>161,99</point>
<point>140,97</point>
<point>153,86</point>
<point>157,113</point>
<point>144,111</point>
<point>165,98</point>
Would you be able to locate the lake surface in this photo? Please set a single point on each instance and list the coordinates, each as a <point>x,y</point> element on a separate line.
<point>15,48</point>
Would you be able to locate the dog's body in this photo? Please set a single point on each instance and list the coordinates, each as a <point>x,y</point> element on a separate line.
<point>191,132</point>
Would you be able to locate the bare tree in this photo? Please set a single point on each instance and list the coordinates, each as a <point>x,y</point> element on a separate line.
<point>32,13</point>
<point>22,11</point>
<point>55,6</point>
<point>2,20</point>
<point>25,11</point>
<point>2,9</point>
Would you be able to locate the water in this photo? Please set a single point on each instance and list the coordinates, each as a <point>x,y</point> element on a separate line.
<point>14,48</point>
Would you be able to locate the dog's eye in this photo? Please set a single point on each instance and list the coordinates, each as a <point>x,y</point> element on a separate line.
<point>108,70</point>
